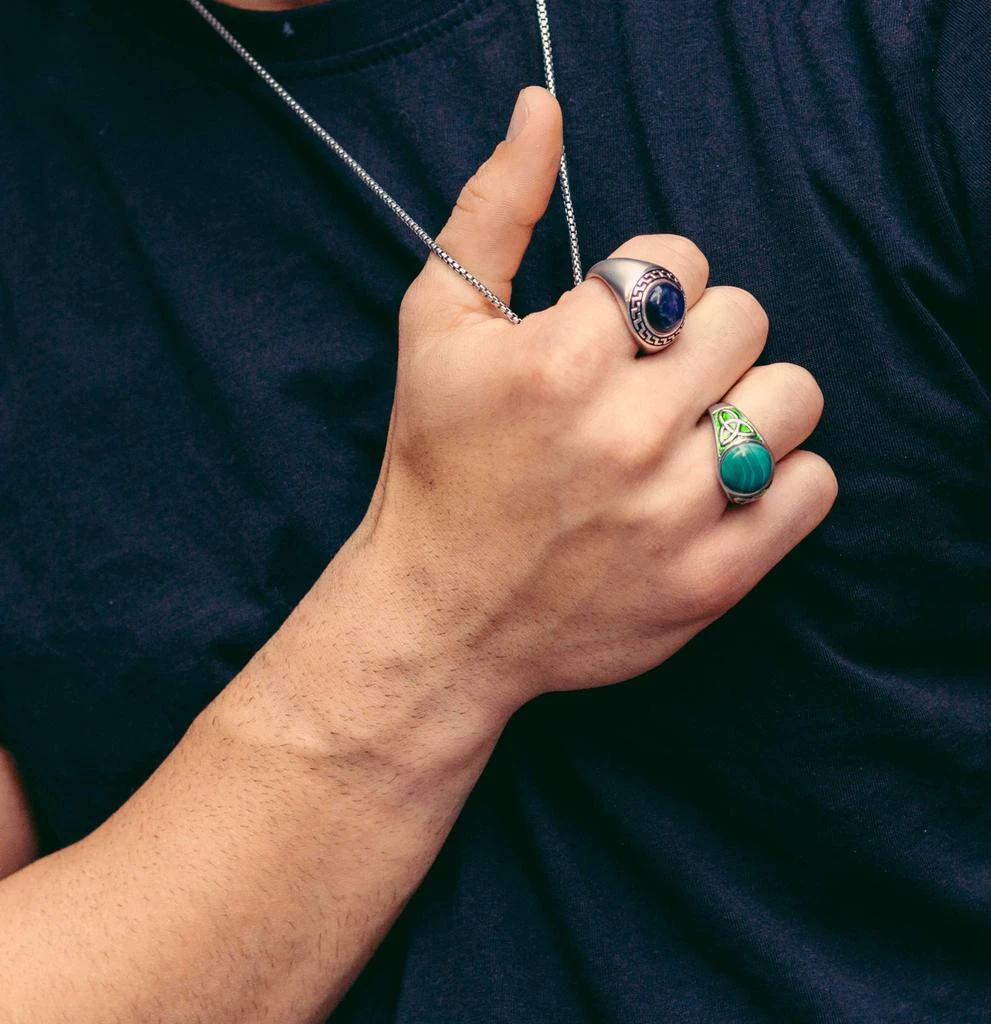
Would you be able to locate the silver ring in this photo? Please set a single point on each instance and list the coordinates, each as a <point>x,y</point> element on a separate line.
<point>745,465</point>
<point>650,296</point>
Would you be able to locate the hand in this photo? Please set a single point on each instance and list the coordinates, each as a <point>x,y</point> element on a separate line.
<point>548,514</point>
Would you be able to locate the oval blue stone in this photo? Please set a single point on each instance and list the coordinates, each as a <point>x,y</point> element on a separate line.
<point>746,468</point>
<point>664,307</point>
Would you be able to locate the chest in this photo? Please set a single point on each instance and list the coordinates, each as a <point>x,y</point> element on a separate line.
<point>199,337</point>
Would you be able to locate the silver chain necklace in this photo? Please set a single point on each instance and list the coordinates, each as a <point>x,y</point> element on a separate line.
<point>311,122</point>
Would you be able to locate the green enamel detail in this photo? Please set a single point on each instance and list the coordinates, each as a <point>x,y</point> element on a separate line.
<point>746,468</point>
<point>732,427</point>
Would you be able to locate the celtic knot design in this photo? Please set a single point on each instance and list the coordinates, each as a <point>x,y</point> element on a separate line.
<point>732,427</point>
<point>637,296</point>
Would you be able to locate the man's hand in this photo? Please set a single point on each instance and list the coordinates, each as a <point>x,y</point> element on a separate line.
<point>549,515</point>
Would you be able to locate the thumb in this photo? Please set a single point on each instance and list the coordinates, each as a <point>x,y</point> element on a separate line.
<point>491,225</point>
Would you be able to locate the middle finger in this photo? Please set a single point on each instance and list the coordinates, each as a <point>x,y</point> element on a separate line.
<point>723,336</point>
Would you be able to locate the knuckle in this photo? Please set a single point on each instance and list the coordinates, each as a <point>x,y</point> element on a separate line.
<point>665,249</point>
<point>623,446</point>
<point>614,447</point>
<point>745,304</point>
<point>640,243</point>
<point>729,580</point>
<point>686,249</point>
<point>666,421</point>
<point>819,486</point>
<point>672,517</point>
<point>552,372</point>
<point>570,365</point>
<point>802,388</point>
<point>488,195</point>
<point>538,375</point>
<point>705,590</point>
<point>473,197</point>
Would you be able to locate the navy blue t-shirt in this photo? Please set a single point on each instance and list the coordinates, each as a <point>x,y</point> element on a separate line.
<point>786,822</point>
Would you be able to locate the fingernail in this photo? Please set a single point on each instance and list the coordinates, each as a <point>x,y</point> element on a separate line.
<point>520,114</point>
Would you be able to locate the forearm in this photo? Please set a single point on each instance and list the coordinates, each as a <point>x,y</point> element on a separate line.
<point>254,874</point>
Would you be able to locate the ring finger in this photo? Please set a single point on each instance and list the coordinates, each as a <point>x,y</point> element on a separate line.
<point>784,403</point>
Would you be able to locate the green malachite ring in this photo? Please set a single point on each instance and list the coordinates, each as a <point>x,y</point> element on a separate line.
<point>745,463</point>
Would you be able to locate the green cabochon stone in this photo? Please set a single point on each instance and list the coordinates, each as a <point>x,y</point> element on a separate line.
<point>746,468</point>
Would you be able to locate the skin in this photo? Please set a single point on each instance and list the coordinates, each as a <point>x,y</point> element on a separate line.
<point>541,523</point>
<point>18,844</point>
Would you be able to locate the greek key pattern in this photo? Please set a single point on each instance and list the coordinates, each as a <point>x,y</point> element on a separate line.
<point>637,296</point>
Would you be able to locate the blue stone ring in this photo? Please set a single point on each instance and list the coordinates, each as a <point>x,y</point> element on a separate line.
<point>745,463</point>
<point>650,296</point>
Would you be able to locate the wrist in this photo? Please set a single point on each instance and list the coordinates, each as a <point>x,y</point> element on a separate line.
<point>357,675</point>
